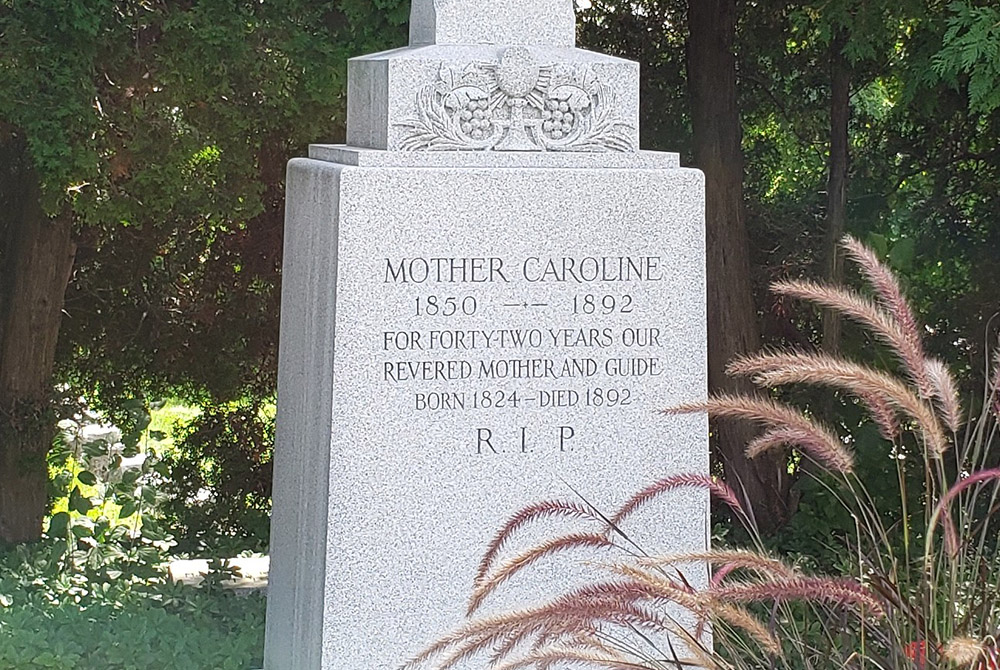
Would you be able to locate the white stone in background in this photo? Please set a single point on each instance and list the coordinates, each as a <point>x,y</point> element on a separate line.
<point>250,573</point>
<point>100,432</point>
<point>88,430</point>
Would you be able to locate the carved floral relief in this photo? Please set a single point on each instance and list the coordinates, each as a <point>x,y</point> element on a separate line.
<point>517,104</point>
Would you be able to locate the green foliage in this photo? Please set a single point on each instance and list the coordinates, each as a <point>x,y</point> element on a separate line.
<point>219,479</point>
<point>95,592</point>
<point>162,131</point>
<point>923,166</point>
<point>971,53</point>
<point>651,32</point>
<point>189,631</point>
<point>95,85</point>
<point>105,536</point>
<point>47,86</point>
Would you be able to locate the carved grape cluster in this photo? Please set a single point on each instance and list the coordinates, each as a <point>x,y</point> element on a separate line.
<point>475,118</point>
<point>558,119</point>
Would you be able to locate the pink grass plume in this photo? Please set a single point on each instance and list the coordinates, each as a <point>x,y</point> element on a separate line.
<point>942,513</point>
<point>716,488</point>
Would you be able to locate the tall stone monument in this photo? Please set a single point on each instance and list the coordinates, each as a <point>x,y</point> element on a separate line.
<point>488,293</point>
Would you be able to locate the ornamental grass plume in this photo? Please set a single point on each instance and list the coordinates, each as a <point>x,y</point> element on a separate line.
<point>919,581</point>
<point>718,489</point>
<point>788,427</point>
<point>782,369</point>
<point>729,559</point>
<point>491,581</point>
<point>963,651</point>
<point>547,509</point>
<point>892,300</point>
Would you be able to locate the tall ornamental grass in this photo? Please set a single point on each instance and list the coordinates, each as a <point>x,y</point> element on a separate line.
<point>921,591</point>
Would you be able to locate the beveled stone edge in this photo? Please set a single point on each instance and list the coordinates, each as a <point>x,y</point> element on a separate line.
<point>361,157</point>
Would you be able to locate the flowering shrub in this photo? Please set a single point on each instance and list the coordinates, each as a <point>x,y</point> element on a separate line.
<point>922,587</point>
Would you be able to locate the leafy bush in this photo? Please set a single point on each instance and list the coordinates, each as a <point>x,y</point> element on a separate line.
<point>218,481</point>
<point>920,587</point>
<point>95,592</point>
<point>105,530</point>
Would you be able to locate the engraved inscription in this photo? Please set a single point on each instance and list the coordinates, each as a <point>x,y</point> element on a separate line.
<point>517,104</point>
<point>467,350</point>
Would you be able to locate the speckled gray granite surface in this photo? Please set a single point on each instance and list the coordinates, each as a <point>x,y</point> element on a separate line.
<point>487,315</point>
<point>492,22</point>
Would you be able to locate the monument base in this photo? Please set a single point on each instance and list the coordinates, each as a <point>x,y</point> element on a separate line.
<point>458,343</point>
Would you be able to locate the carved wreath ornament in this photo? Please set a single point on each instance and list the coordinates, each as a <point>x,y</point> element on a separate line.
<point>516,105</point>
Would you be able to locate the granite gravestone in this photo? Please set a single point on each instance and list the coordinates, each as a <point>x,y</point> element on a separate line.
<point>487,294</point>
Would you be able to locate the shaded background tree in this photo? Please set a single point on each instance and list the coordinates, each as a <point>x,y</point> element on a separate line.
<point>690,103</point>
<point>152,137</point>
<point>855,117</point>
<point>144,144</point>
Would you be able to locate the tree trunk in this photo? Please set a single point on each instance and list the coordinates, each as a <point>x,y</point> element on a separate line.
<point>732,315</point>
<point>836,190</point>
<point>36,258</point>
